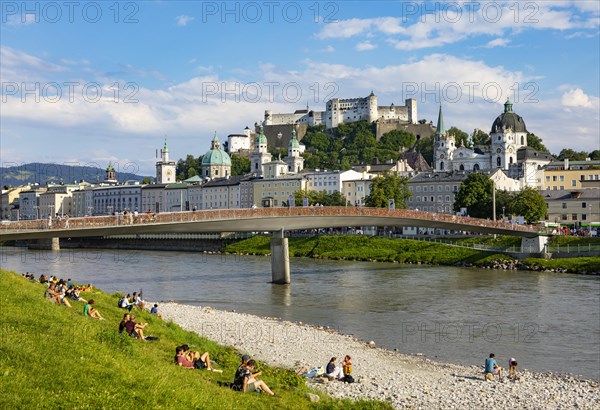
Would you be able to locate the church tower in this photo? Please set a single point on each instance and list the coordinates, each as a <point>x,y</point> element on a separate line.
<point>111,175</point>
<point>165,169</point>
<point>443,146</point>
<point>294,161</point>
<point>260,155</point>
<point>508,134</point>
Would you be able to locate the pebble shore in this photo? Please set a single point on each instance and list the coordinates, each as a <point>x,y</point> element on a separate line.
<point>406,381</point>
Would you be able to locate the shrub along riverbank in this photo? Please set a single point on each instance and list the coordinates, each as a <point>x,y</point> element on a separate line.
<point>365,248</point>
<point>54,357</point>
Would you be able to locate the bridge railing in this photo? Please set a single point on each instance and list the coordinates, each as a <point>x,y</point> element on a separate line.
<point>228,214</point>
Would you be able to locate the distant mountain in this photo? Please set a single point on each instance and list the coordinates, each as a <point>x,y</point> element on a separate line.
<point>56,173</point>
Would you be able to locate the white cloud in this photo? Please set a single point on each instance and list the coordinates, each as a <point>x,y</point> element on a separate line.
<point>498,42</point>
<point>183,20</point>
<point>576,98</point>
<point>365,46</point>
<point>328,49</point>
<point>424,29</point>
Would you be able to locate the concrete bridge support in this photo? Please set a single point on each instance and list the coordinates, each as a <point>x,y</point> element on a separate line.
<point>534,245</point>
<point>280,259</point>
<point>52,244</point>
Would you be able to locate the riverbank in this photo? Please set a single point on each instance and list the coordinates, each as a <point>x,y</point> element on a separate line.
<point>409,251</point>
<point>404,381</point>
<point>54,357</point>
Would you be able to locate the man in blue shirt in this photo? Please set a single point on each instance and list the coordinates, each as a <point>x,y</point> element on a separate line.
<point>492,368</point>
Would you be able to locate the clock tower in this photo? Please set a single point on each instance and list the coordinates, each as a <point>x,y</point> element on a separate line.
<point>165,169</point>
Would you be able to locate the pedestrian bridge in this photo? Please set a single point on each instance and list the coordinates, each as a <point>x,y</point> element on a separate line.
<point>276,220</point>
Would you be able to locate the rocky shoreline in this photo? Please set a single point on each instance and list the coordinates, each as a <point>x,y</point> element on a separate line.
<point>406,381</point>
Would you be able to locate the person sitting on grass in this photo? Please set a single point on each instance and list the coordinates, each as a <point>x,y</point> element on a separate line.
<point>124,303</point>
<point>61,291</point>
<point>155,311</point>
<point>90,311</point>
<point>245,379</point>
<point>492,368</point>
<point>131,328</point>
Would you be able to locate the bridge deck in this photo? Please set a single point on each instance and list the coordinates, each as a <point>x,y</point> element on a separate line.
<point>251,220</point>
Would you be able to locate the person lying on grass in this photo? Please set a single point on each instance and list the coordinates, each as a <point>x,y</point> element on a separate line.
<point>192,360</point>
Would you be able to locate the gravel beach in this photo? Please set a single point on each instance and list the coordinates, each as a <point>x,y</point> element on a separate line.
<point>406,381</point>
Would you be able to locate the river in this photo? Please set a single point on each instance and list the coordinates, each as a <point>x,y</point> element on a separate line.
<point>547,321</point>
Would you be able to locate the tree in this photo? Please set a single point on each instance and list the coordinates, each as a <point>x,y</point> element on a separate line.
<point>461,137</point>
<point>319,197</point>
<point>568,153</point>
<point>475,194</point>
<point>530,204</point>
<point>595,155</point>
<point>396,139</point>
<point>239,165</point>
<point>480,138</point>
<point>389,186</point>
<point>425,147</point>
<point>147,180</point>
<point>536,143</point>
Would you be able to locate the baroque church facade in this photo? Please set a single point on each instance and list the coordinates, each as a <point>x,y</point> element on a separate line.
<point>507,136</point>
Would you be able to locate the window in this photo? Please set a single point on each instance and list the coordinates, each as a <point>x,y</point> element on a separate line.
<point>563,217</point>
<point>442,165</point>
<point>547,178</point>
<point>584,204</point>
<point>499,161</point>
<point>583,217</point>
<point>562,178</point>
<point>573,182</point>
<point>554,178</point>
<point>574,217</point>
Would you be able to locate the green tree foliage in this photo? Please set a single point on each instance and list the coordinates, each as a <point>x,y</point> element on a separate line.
<point>387,187</point>
<point>479,137</point>
<point>461,137</point>
<point>322,198</point>
<point>394,140</point>
<point>568,153</point>
<point>536,143</point>
<point>239,165</point>
<point>595,155</point>
<point>147,180</point>
<point>530,204</point>
<point>184,165</point>
<point>475,194</point>
<point>425,147</point>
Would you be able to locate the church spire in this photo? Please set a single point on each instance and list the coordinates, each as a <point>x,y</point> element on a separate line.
<point>508,106</point>
<point>440,124</point>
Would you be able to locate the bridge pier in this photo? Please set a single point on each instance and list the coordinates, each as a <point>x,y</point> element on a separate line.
<point>534,245</point>
<point>52,244</point>
<point>280,259</point>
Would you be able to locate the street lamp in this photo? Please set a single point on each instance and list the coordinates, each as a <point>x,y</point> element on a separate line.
<point>503,212</point>
<point>37,211</point>
<point>90,209</point>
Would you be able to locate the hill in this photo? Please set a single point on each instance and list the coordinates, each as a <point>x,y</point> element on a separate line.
<point>43,173</point>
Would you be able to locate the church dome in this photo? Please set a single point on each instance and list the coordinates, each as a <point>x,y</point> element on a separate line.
<point>216,156</point>
<point>508,120</point>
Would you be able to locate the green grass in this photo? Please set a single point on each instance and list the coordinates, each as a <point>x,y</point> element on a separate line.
<point>366,248</point>
<point>578,265</point>
<point>54,357</point>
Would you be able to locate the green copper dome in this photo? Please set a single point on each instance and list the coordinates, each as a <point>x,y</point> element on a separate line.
<point>294,141</point>
<point>216,156</point>
<point>261,138</point>
<point>508,120</point>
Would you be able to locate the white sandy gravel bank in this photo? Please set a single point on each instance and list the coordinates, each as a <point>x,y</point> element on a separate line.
<point>405,381</point>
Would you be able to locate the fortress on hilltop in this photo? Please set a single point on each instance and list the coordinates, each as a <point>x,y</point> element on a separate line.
<point>344,111</point>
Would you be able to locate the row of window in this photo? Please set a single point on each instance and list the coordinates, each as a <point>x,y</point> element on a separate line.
<point>432,188</point>
<point>565,205</point>
<point>561,178</point>
<point>574,217</point>
<point>440,198</point>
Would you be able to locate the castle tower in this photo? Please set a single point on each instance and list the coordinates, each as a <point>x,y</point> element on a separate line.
<point>260,155</point>
<point>268,117</point>
<point>372,105</point>
<point>443,146</point>
<point>507,135</point>
<point>165,169</point>
<point>411,105</point>
<point>294,161</point>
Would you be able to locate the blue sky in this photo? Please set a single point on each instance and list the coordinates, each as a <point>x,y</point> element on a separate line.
<point>116,77</point>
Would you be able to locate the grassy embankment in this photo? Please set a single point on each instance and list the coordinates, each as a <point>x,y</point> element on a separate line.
<point>54,357</point>
<point>366,248</point>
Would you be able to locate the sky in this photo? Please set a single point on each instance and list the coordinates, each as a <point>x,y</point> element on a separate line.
<point>92,82</point>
